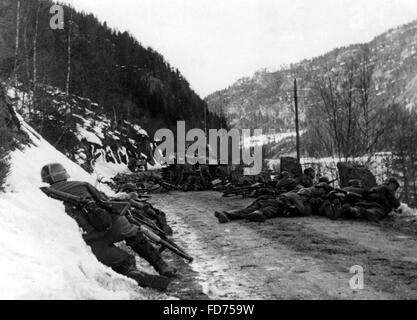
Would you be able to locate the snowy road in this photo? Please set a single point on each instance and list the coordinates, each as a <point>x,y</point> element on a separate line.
<point>299,258</point>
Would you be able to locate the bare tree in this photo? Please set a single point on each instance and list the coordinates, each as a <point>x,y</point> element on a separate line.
<point>35,56</point>
<point>67,87</point>
<point>348,118</point>
<point>16,52</point>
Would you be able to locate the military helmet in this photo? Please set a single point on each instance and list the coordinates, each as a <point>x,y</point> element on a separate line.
<point>283,175</point>
<point>324,186</point>
<point>324,179</point>
<point>54,172</point>
<point>392,180</point>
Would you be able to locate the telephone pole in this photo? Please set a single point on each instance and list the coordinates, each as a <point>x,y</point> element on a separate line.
<point>297,129</point>
<point>205,119</point>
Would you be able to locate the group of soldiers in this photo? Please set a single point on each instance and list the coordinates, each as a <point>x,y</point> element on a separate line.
<point>190,177</point>
<point>289,196</point>
<point>285,195</point>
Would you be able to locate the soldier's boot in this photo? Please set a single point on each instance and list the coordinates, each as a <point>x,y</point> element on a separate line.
<point>327,210</point>
<point>256,216</point>
<point>162,224</point>
<point>371,214</point>
<point>337,210</point>
<point>145,280</point>
<point>147,251</point>
<point>222,217</point>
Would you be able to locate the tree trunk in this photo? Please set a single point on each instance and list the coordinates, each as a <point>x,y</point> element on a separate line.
<point>16,52</point>
<point>35,57</point>
<point>67,87</point>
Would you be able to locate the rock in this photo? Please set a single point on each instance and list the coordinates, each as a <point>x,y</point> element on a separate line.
<point>355,172</point>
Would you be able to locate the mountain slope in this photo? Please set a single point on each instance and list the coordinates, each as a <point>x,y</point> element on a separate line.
<point>266,99</point>
<point>129,82</point>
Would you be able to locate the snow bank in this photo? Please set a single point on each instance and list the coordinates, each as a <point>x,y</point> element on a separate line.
<point>104,170</point>
<point>42,253</point>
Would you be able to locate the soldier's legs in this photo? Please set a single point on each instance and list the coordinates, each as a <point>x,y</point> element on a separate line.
<point>326,210</point>
<point>238,214</point>
<point>122,230</point>
<point>141,245</point>
<point>108,254</point>
<point>155,216</point>
<point>128,269</point>
<point>370,211</point>
<point>372,214</point>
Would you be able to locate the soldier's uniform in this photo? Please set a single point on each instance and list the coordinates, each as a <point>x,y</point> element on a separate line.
<point>374,204</point>
<point>285,183</point>
<point>101,230</point>
<point>102,242</point>
<point>378,203</point>
<point>206,176</point>
<point>269,207</point>
<point>307,179</point>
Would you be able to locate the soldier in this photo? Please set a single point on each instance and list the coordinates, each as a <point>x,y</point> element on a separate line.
<point>373,204</point>
<point>379,201</point>
<point>193,181</point>
<point>268,207</point>
<point>178,175</point>
<point>307,179</point>
<point>285,183</point>
<point>102,230</point>
<point>317,199</point>
<point>206,176</point>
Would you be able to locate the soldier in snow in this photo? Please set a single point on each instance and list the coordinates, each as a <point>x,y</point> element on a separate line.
<point>103,229</point>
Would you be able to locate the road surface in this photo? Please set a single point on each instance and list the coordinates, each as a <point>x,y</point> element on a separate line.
<point>284,258</point>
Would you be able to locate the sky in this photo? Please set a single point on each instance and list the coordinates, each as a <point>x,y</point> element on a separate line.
<point>216,42</point>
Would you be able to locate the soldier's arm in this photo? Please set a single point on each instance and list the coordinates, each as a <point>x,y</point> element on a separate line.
<point>395,203</point>
<point>97,195</point>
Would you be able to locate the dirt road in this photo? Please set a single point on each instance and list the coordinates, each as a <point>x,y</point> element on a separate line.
<point>295,258</point>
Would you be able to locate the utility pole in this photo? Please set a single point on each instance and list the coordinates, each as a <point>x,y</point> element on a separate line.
<point>297,129</point>
<point>205,119</point>
<point>16,51</point>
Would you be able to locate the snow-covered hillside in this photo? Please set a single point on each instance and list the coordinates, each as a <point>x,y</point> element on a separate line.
<point>78,127</point>
<point>42,253</point>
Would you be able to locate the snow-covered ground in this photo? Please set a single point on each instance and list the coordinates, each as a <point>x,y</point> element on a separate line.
<point>42,253</point>
<point>271,137</point>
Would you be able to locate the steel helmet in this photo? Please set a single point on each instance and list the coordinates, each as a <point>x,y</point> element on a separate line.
<point>54,172</point>
<point>392,180</point>
<point>324,179</point>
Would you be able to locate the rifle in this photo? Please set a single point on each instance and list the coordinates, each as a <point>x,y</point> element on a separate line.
<point>242,190</point>
<point>123,208</point>
<point>163,184</point>
<point>332,181</point>
<point>349,196</point>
